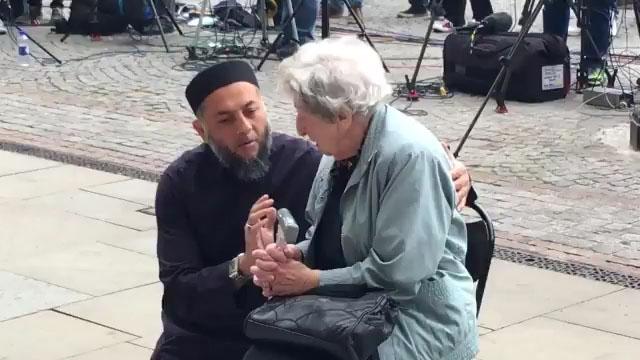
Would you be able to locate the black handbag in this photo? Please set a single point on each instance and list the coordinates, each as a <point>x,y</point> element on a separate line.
<point>347,322</point>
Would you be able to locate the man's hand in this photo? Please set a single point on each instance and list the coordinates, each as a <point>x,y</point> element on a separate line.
<point>258,231</point>
<point>462,181</point>
<point>461,178</point>
<point>279,274</point>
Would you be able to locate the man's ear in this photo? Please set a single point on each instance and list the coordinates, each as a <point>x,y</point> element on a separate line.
<point>197,126</point>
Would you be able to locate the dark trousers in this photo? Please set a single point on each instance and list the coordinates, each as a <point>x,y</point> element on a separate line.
<point>305,20</point>
<point>17,7</point>
<point>455,9</point>
<point>556,21</point>
<point>481,9</point>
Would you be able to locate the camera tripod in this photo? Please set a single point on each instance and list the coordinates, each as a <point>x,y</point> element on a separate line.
<point>529,15</point>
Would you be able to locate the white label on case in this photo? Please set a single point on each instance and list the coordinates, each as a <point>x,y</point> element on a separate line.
<point>552,77</point>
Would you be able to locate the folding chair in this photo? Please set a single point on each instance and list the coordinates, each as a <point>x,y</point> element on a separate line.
<point>480,244</point>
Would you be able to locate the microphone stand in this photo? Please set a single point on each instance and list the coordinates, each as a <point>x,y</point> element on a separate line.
<point>436,9</point>
<point>505,70</point>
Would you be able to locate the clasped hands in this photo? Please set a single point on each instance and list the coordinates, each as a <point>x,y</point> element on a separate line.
<point>278,270</point>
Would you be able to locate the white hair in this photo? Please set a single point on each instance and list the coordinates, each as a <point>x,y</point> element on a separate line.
<point>333,76</point>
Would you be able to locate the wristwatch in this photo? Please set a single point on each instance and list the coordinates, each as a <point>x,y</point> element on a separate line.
<point>234,271</point>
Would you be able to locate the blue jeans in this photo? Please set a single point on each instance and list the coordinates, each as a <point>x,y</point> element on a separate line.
<point>556,21</point>
<point>305,20</point>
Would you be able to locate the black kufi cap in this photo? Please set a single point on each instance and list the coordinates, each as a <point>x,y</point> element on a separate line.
<point>215,77</point>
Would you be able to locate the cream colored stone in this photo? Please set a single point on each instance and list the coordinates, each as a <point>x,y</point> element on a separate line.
<point>12,163</point>
<point>20,295</point>
<point>53,180</point>
<point>134,190</point>
<point>94,269</point>
<point>124,351</point>
<point>135,311</point>
<point>48,336</point>
<point>617,313</point>
<point>99,207</point>
<point>545,339</point>
<point>517,292</point>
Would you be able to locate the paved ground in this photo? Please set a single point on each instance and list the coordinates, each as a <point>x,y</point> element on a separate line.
<point>557,177</point>
<point>78,280</point>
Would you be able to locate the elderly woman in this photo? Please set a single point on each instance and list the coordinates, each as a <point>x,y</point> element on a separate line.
<point>382,205</point>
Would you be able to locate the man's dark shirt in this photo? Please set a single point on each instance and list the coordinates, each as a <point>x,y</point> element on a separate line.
<point>201,210</point>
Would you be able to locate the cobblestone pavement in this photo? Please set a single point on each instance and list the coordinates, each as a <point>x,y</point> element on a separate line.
<point>558,178</point>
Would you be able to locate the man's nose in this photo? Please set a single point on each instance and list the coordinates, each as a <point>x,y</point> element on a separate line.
<point>244,125</point>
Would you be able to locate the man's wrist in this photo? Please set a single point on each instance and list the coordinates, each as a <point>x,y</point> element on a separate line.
<point>244,265</point>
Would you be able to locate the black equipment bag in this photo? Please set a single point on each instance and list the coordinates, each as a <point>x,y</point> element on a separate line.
<point>540,68</point>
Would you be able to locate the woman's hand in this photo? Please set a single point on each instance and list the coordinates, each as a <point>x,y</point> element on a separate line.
<point>279,274</point>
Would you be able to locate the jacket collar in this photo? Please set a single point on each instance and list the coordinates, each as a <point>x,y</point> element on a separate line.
<point>371,143</point>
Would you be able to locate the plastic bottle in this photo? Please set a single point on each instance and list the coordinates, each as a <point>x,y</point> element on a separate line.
<point>24,57</point>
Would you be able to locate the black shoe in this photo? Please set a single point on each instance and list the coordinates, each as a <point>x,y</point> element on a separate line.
<point>286,50</point>
<point>413,11</point>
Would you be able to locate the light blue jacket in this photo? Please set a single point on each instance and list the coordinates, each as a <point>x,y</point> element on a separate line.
<point>401,232</point>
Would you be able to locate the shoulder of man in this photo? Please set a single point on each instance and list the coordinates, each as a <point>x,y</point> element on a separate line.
<point>186,163</point>
<point>293,147</point>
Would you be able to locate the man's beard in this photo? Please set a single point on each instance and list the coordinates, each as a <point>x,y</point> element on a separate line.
<point>246,170</point>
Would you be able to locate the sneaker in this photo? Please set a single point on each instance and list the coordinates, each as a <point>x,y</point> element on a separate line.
<point>35,15</point>
<point>597,77</point>
<point>615,23</point>
<point>3,30</point>
<point>443,25</point>
<point>286,50</point>
<point>413,11</point>
<point>573,29</point>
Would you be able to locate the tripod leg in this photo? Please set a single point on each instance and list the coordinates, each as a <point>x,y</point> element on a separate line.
<point>324,4</point>
<point>38,44</point>
<point>155,14</point>
<point>363,31</point>
<point>272,48</point>
<point>172,18</point>
<point>503,70</point>
<point>196,40</point>
<point>262,4</point>
<point>292,22</point>
<point>436,10</point>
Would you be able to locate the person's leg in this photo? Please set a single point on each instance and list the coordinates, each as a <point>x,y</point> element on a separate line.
<point>481,9</point>
<point>555,18</point>
<point>336,8</point>
<point>454,11</point>
<point>17,8</point>
<point>305,24</point>
<point>417,8</point>
<point>599,26</point>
